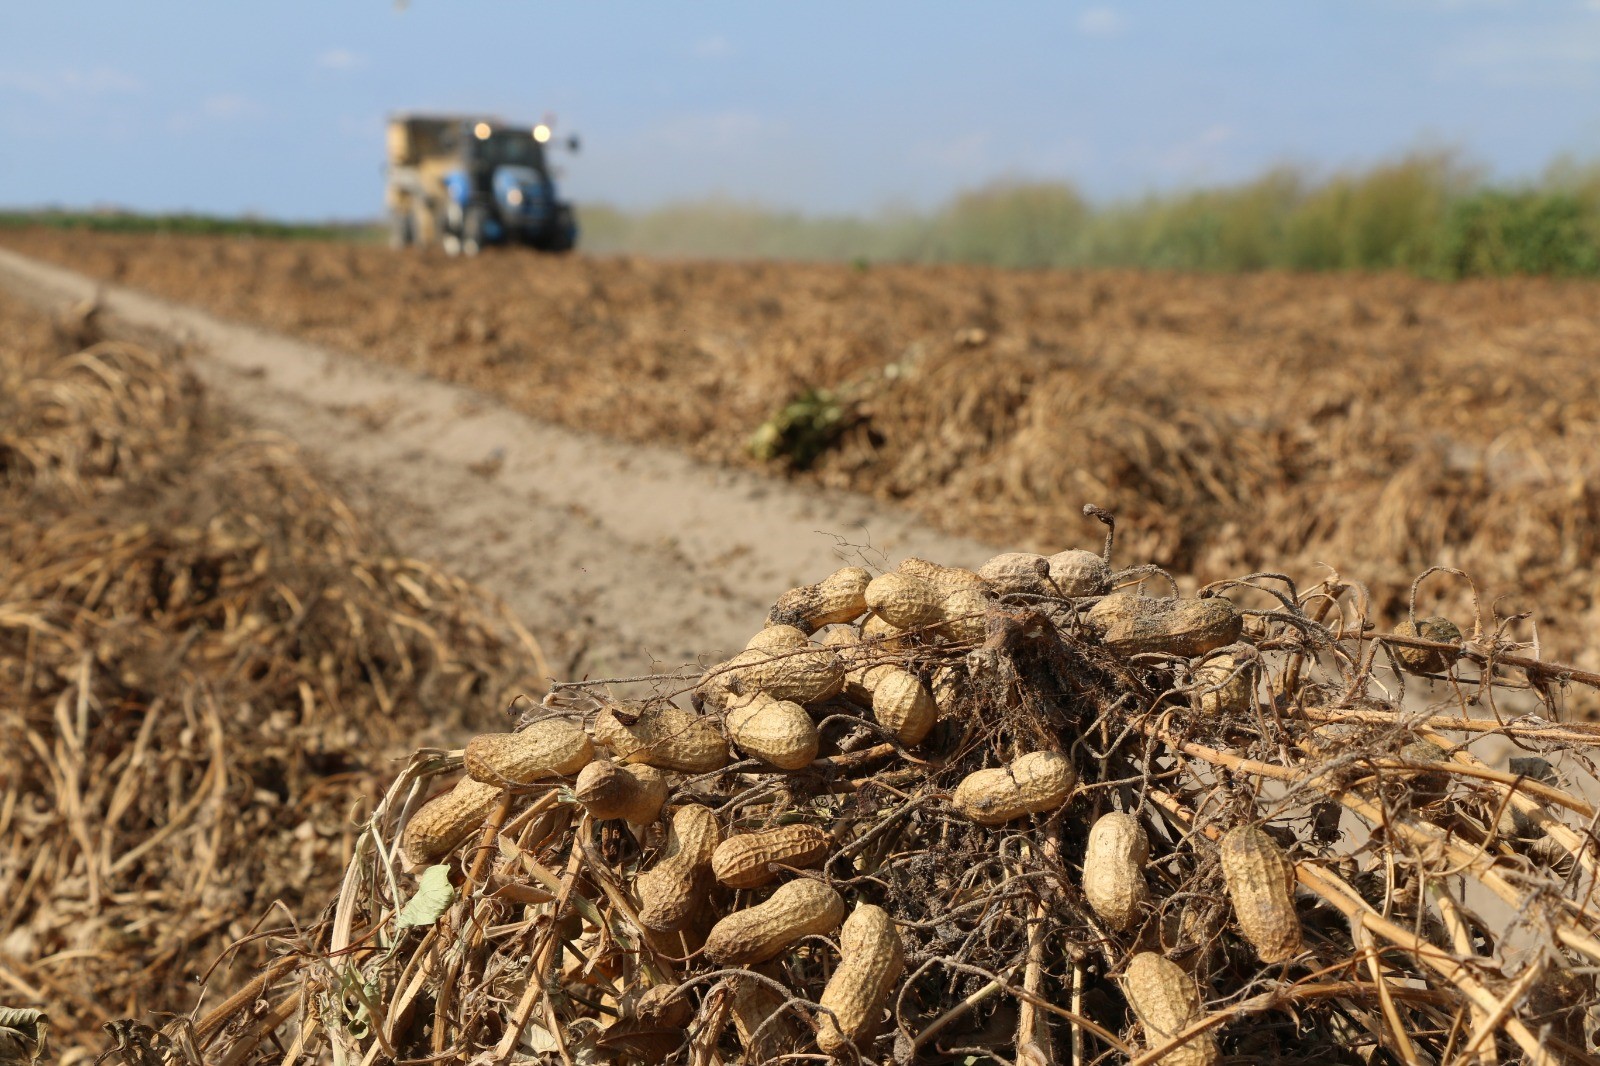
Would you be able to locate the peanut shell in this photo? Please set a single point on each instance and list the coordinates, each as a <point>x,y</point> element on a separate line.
<point>1261,882</point>
<point>798,908</point>
<point>1036,782</point>
<point>1166,1000</point>
<point>1113,870</point>
<point>447,819</point>
<point>839,597</point>
<point>871,960</point>
<point>1130,624</point>
<point>742,861</point>
<point>551,748</point>
<point>679,882</point>
<point>662,735</point>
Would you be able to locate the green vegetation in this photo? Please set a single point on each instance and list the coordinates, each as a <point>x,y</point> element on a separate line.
<point>1426,213</point>
<point>208,225</point>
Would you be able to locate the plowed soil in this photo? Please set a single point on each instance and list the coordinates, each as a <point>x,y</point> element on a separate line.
<point>1382,422</point>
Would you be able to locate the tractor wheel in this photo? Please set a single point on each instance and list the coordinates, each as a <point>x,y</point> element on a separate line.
<point>401,234</point>
<point>472,227</point>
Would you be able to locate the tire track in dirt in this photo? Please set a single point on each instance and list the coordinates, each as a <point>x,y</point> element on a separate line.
<point>638,557</point>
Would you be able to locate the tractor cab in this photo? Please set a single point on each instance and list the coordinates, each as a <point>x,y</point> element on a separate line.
<point>466,183</point>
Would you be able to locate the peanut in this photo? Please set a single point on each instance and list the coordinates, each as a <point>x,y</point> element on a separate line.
<point>552,748</point>
<point>904,601</point>
<point>742,861</point>
<point>1013,572</point>
<point>902,704</point>
<point>754,1004</point>
<point>1039,781</point>
<point>839,597</point>
<point>1427,786</point>
<point>886,637</point>
<point>871,960</point>
<point>633,793</point>
<point>1427,660</point>
<point>1166,1001</point>
<point>444,821</point>
<point>778,732</point>
<point>801,676</point>
<point>1130,624</point>
<point>1222,688</point>
<point>661,735</point>
<point>1076,572</point>
<point>949,686</point>
<point>946,579</point>
<point>756,934</point>
<point>1261,880</point>
<point>1113,869</point>
<point>964,615</point>
<point>778,638</point>
<point>672,889</point>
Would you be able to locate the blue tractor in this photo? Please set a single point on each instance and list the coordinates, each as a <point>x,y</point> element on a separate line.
<point>465,183</point>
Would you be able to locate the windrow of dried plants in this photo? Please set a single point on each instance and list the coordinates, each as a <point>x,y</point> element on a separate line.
<point>207,663</point>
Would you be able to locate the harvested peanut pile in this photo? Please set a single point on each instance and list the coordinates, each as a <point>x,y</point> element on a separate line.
<point>206,663</point>
<point>1043,812</point>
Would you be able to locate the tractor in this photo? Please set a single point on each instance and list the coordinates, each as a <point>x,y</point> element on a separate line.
<point>464,183</point>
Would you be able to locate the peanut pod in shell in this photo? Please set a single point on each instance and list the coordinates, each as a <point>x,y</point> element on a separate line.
<point>551,748</point>
<point>1036,782</point>
<point>798,908</point>
<point>902,704</point>
<point>661,735</point>
<point>964,615</point>
<point>882,635</point>
<point>1130,624</point>
<point>1261,883</point>
<point>778,732</point>
<point>1224,685</point>
<point>634,793</point>
<point>1113,870</point>
<point>1166,1000</point>
<point>1436,628</point>
<point>446,820</point>
<point>803,676</point>
<point>839,597</point>
<point>677,885</point>
<point>1076,572</point>
<point>903,600</point>
<point>743,860</point>
<point>871,960</point>
<point>947,579</point>
<point>755,1002</point>
<point>778,638</point>
<point>1017,572</point>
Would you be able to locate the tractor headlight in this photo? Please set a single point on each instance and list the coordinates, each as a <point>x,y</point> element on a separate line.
<point>541,133</point>
<point>514,196</point>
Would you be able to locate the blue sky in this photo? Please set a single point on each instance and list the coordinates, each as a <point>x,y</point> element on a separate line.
<point>277,106</point>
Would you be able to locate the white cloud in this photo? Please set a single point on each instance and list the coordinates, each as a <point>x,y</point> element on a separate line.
<point>1100,22</point>
<point>713,47</point>
<point>70,83</point>
<point>341,59</point>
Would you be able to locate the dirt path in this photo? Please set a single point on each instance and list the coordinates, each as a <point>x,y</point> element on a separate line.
<point>629,555</point>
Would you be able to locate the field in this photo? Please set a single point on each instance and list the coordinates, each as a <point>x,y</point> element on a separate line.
<point>1232,422</point>
<point>1291,835</point>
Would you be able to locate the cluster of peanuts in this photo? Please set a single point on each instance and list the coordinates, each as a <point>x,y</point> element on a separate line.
<point>852,639</point>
